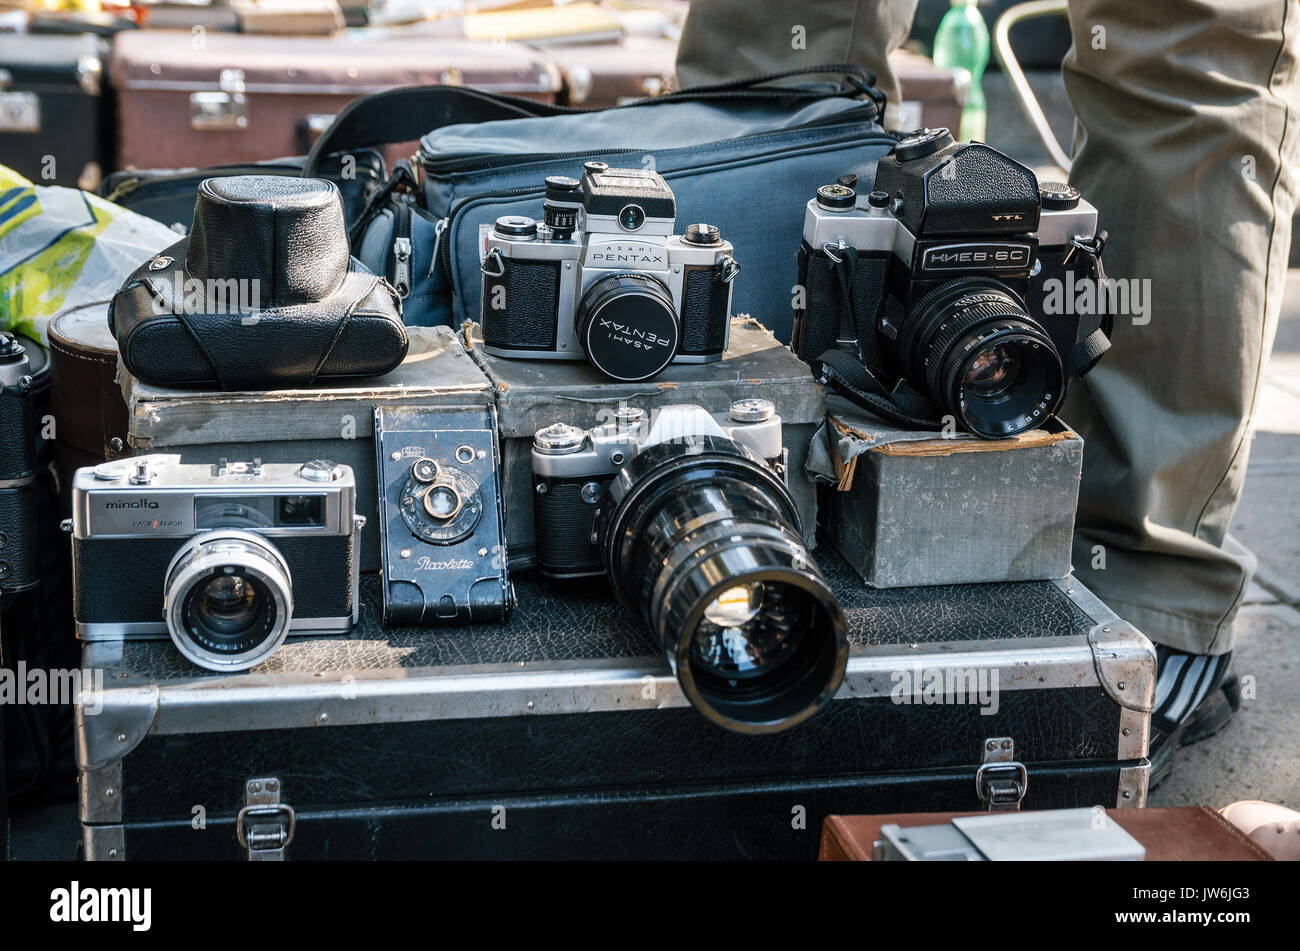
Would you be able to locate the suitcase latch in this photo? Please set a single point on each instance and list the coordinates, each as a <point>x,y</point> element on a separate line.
<point>225,107</point>
<point>1001,782</point>
<point>265,826</point>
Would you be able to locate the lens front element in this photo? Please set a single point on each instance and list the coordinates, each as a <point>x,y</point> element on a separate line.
<point>228,600</point>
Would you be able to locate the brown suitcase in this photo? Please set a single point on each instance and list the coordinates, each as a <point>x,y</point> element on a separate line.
<point>229,97</point>
<point>931,97</point>
<point>601,75</point>
<point>1173,834</point>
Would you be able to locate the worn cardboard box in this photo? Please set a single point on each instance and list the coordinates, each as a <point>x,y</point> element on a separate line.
<point>913,508</point>
<point>532,394</point>
<point>333,422</point>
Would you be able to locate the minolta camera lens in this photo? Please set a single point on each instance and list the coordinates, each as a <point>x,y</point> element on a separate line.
<point>689,517</point>
<point>603,278</point>
<point>925,301</point>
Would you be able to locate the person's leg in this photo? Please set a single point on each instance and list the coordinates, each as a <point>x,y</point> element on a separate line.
<point>735,39</point>
<point>1187,140</point>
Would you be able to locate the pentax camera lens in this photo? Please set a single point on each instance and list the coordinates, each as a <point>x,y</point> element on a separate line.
<point>228,600</point>
<point>700,538</point>
<point>973,348</point>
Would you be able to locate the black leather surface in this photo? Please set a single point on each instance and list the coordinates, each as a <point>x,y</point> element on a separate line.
<point>121,579</point>
<point>262,295</point>
<point>560,754</point>
<point>558,620</point>
<point>704,312</point>
<point>19,537</point>
<point>531,293</point>
<point>732,821</point>
<point>286,233</point>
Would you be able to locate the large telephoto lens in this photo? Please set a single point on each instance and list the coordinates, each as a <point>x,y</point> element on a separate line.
<point>228,600</point>
<point>973,348</point>
<point>701,540</point>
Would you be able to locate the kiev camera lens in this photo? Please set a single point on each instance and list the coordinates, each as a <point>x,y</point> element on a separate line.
<point>228,600</point>
<point>972,347</point>
<point>700,538</point>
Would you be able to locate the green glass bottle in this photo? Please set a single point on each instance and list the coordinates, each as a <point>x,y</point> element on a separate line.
<point>962,42</point>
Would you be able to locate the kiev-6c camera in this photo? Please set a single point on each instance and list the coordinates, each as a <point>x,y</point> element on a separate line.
<point>928,300</point>
<point>227,559</point>
<point>604,277</point>
<point>689,517</point>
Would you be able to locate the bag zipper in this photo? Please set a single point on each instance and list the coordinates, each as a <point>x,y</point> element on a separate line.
<point>442,252</point>
<point>445,168</point>
<point>402,250</point>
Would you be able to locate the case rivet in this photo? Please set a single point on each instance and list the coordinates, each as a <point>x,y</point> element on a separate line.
<point>529,704</point>
<point>255,787</point>
<point>323,717</point>
<point>1127,794</point>
<point>110,792</point>
<point>121,738</point>
<point>991,746</point>
<point>1126,731</point>
<point>1120,685</point>
<point>272,786</point>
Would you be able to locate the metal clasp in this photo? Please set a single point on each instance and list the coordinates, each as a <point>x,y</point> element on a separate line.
<point>265,826</point>
<point>494,255</point>
<point>728,269</point>
<point>223,108</point>
<point>1001,782</point>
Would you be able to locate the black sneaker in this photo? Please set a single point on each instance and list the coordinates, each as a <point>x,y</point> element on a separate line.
<point>1206,719</point>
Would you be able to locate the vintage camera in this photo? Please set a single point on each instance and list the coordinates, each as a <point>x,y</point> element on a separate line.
<point>19,568</point>
<point>227,559</point>
<point>689,517</point>
<point>604,277</point>
<point>441,522</point>
<point>927,300</point>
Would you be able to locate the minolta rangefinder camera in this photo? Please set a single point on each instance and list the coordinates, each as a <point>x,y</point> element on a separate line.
<point>603,277</point>
<point>228,559</point>
<point>441,520</point>
<point>689,517</point>
<point>934,296</point>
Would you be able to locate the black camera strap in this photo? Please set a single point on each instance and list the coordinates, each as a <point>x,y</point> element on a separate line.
<point>1091,348</point>
<point>857,378</point>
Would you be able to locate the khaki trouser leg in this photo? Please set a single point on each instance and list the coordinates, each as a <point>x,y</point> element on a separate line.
<point>734,39</point>
<point>1187,141</point>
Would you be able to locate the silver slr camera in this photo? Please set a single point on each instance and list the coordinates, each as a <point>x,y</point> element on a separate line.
<point>603,277</point>
<point>689,517</point>
<point>572,468</point>
<point>228,559</point>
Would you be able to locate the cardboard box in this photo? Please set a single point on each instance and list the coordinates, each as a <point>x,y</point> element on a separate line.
<point>335,422</point>
<point>911,508</point>
<point>532,394</point>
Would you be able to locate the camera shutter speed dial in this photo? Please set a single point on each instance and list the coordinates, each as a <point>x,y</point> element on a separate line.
<point>440,504</point>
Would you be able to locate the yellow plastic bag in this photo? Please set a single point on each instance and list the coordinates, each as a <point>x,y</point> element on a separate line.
<point>62,247</point>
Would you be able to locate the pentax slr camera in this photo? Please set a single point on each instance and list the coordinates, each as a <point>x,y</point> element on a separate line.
<point>603,277</point>
<point>930,297</point>
<point>228,560</point>
<point>689,517</point>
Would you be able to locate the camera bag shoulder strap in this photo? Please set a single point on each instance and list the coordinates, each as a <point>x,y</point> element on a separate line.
<point>407,113</point>
<point>854,377</point>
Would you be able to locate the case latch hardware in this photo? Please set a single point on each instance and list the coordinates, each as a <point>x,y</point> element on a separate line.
<point>265,826</point>
<point>223,108</point>
<point>1001,782</point>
